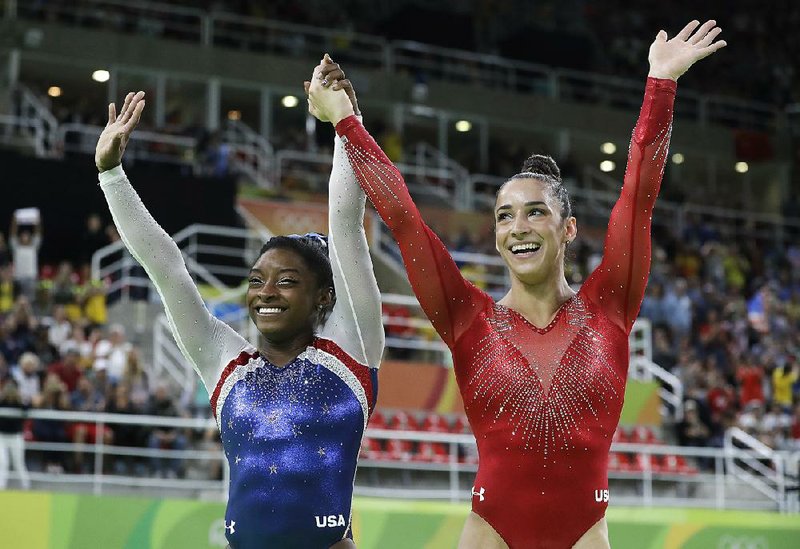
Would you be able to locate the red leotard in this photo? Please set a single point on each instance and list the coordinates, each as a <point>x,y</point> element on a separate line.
<point>543,402</point>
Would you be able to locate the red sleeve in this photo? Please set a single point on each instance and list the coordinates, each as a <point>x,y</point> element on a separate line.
<point>618,283</point>
<point>449,300</point>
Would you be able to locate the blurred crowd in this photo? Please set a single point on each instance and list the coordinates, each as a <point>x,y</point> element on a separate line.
<point>59,352</point>
<point>576,34</point>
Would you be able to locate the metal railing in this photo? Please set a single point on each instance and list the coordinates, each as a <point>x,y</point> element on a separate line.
<point>762,467</point>
<point>283,38</point>
<point>709,486</point>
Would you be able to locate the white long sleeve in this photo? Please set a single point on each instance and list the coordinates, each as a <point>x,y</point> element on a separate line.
<point>206,342</point>
<point>355,323</point>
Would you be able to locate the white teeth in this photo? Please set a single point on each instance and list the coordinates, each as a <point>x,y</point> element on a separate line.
<point>530,246</point>
<point>268,310</point>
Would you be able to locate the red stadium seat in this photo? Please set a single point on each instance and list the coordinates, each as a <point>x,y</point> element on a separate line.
<point>642,460</point>
<point>619,462</point>
<point>432,452</point>
<point>435,423</point>
<point>460,425</point>
<point>678,464</point>
<point>620,435</point>
<point>398,450</point>
<point>378,420</point>
<point>403,421</point>
<point>372,448</point>
<point>644,435</point>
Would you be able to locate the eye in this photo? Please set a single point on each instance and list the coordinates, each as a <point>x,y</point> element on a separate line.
<point>503,216</point>
<point>254,281</point>
<point>287,282</point>
<point>536,212</point>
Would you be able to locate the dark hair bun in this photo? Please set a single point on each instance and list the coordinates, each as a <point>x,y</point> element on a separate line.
<point>543,164</point>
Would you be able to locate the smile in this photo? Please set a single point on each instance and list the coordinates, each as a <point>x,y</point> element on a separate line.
<point>265,311</point>
<point>527,249</point>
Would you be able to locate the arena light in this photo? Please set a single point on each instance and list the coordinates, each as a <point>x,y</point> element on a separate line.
<point>463,126</point>
<point>234,115</point>
<point>101,75</point>
<point>677,158</point>
<point>608,148</point>
<point>742,167</point>
<point>289,101</point>
<point>54,91</point>
<point>607,166</point>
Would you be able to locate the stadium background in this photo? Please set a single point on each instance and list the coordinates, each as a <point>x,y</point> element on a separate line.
<point>226,142</point>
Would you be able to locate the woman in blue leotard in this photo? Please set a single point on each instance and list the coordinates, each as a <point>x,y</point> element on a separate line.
<point>292,413</point>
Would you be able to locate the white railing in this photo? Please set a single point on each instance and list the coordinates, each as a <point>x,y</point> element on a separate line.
<point>30,131</point>
<point>671,390</point>
<point>250,153</point>
<point>761,467</point>
<point>707,486</point>
<point>284,38</point>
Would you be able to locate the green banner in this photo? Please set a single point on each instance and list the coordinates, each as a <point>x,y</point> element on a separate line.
<point>37,520</point>
<point>642,404</point>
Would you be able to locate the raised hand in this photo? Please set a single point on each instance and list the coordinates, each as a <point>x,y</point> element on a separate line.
<point>671,58</point>
<point>330,96</point>
<point>112,142</point>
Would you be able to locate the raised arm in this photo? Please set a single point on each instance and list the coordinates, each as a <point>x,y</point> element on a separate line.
<point>355,323</point>
<point>207,343</point>
<point>447,298</point>
<point>619,281</point>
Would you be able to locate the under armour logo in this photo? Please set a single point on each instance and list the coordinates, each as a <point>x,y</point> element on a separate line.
<point>479,494</point>
<point>231,527</point>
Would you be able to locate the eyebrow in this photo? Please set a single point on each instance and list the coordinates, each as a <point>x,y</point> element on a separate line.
<point>284,270</point>
<point>534,203</point>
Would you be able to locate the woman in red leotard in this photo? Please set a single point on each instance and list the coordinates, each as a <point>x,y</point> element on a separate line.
<point>542,372</point>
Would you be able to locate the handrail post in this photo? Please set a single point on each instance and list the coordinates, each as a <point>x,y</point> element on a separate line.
<point>99,443</point>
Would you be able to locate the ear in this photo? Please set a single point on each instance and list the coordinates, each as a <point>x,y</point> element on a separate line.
<point>570,229</point>
<point>325,298</point>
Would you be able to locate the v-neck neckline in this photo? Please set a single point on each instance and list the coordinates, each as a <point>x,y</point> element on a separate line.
<point>559,312</point>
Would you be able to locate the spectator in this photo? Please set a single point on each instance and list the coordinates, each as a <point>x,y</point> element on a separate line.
<point>5,253</point>
<point>93,238</point>
<point>113,352</point>
<point>28,377</point>
<point>165,438</point>
<point>9,289</point>
<point>68,368</point>
<point>750,377</point>
<point>783,379</point>
<point>125,434</point>
<point>60,328</point>
<point>54,396</point>
<point>136,379</point>
<point>25,246</point>
<point>12,443</point>
<point>86,398</point>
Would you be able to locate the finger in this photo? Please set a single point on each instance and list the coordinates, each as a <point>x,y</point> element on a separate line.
<point>126,103</point>
<point>345,85</point>
<point>326,59</point>
<point>112,113</point>
<point>332,74</point>
<point>136,114</point>
<point>662,36</point>
<point>306,86</point>
<point>686,32</point>
<point>126,116</point>
<point>709,38</point>
<point>716,46</point>
<point>702,31</point>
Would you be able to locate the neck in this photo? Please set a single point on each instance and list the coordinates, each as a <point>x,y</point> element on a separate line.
<point>538,302</point>
<point>282,352</point>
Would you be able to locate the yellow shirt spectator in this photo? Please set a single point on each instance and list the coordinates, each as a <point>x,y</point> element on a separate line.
<point>782,381</point>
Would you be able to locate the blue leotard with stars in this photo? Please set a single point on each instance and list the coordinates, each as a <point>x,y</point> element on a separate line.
<point>291,435</point>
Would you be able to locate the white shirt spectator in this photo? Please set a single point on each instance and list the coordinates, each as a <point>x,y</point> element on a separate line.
<point>26,258</point>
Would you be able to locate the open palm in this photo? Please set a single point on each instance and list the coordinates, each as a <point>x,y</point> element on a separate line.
<point>114,138</point>
<point>671,58</point>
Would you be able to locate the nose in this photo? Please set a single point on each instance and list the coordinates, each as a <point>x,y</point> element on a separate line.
<point>268,290</point>
<point>520,227</point>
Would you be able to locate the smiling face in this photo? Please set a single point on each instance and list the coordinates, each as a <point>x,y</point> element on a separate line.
<point>284,295</point>
<point>530,233</point>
